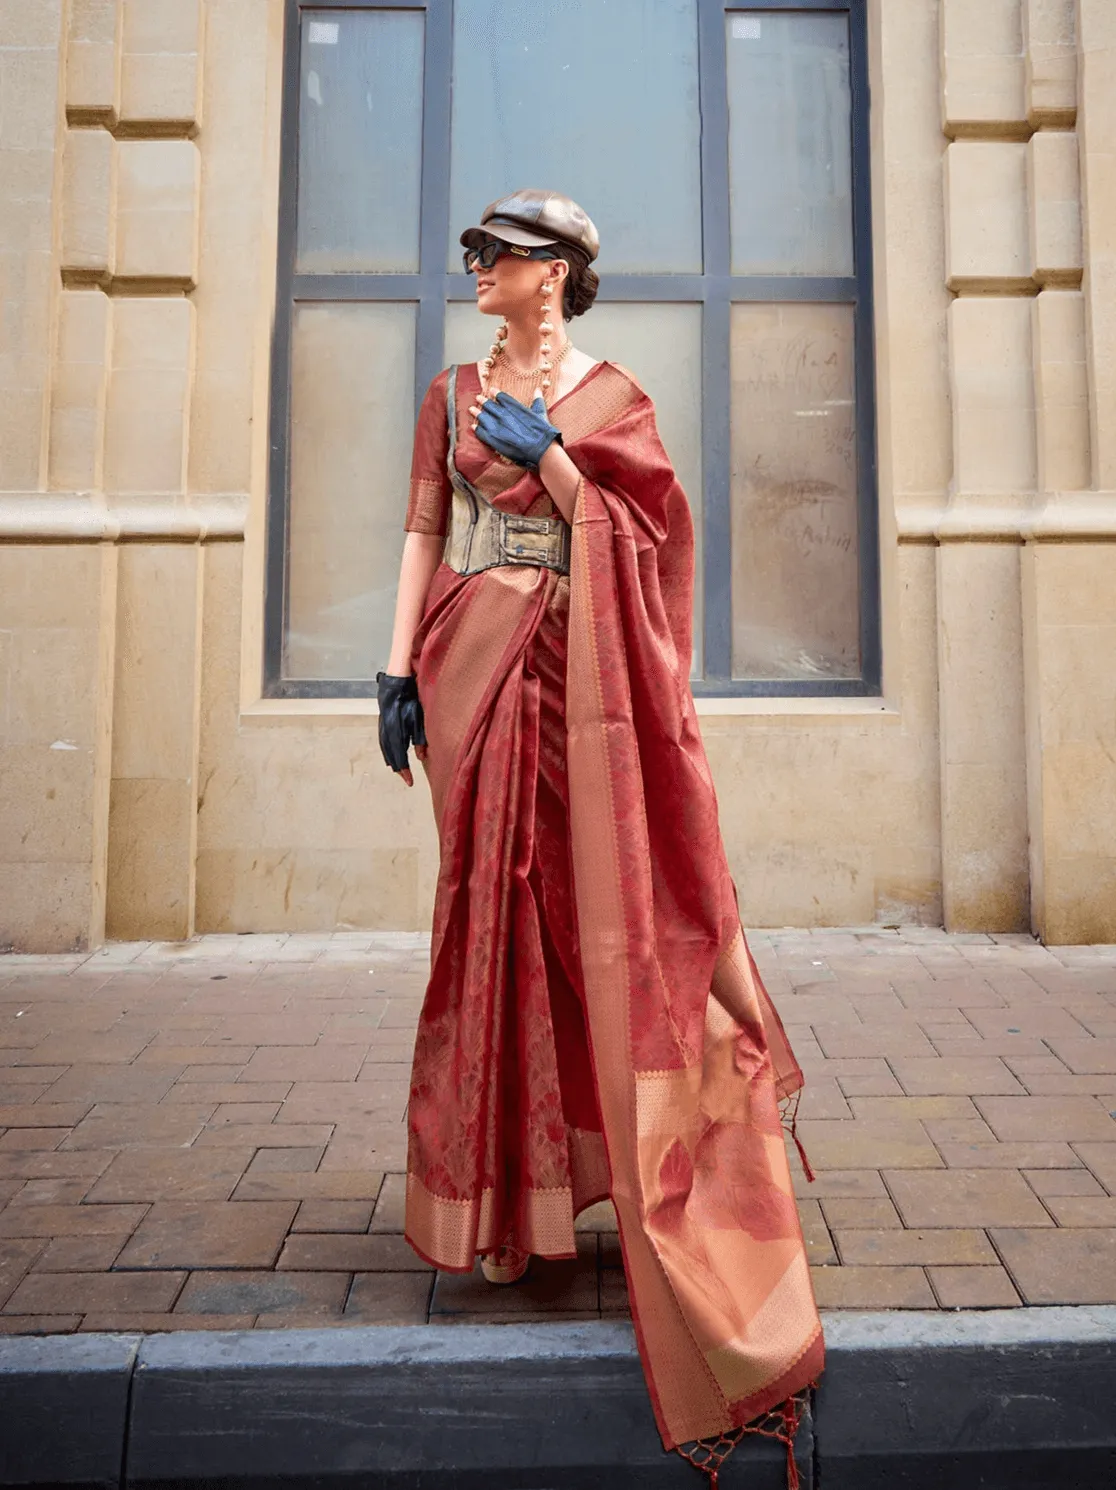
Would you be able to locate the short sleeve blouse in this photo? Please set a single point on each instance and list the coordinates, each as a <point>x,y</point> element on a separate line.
<point>429,502</point>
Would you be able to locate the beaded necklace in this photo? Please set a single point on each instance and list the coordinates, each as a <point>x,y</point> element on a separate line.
<point>498,375</point>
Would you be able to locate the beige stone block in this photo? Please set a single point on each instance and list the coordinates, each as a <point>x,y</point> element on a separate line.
<point>1061,390</point>
<point>993,394</point>
<point>155,715</point>
<point>77,413</point>
<point>157,210</point>
<point>985,871</point>
<point>161,70</point>
<point>911,299</point>
<point>29,96</point>
<point>88,191</point>
<point>23,25</point>
<point>980,654</point>
<point>47,907</point>
<point>1050,38</point>
<point>44,805</point>
<point>243,49</point>
<point>1097,131</point>
<point>986,215</point>
<point>148,395</point>
<point>1053,188</point>
<point>1080,797</point>
<point>56,605</point>
<point>309,889</point>
<point>150,868</point>
<point>27,286</point>
<point>1070,632</point>
<point>27,181</point>
<point>25,189</point>
<point>93,58</point>
<point>1080,901</point>
<point>48,585</point>
<point>984,802</point>
<point>51,668</point>
<point>153,808</point>
<point>1076,588</point>
<point>1075,671</point>
<point>21,439</point>
<point>983,78</point>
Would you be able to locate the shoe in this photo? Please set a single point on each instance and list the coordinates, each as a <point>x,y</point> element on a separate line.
<point>505,1265</point>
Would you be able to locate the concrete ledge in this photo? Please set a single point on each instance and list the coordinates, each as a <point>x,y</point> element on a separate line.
<point>1021,1399</point>
<point>529,1406</point>
<point>1009,1400</point>
<point>64,1409</point>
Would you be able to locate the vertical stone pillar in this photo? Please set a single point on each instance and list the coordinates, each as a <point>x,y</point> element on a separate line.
<point>153,806</point>
<point>57,579</point>
<point>155,727</point>
<point>1069,597</point>
<point>980,665</point>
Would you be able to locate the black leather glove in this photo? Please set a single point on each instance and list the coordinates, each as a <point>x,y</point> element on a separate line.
<point>510,428</point>
<point>401,721</point>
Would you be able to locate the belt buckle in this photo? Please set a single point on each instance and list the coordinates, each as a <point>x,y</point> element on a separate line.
<point>529,540</point>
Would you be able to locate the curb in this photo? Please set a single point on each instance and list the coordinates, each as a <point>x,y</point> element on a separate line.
<point>1019,1399</point>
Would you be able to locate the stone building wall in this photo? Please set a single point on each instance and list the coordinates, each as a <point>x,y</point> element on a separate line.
<point>146,788</point>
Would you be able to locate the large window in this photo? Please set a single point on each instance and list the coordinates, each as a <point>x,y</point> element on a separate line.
<point>722,152</point>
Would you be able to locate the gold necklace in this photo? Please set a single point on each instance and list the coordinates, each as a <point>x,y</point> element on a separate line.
<point>503,377</point>
<point>522,385</point>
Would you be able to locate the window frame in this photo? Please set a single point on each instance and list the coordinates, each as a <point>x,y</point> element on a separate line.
<point>716,289</point>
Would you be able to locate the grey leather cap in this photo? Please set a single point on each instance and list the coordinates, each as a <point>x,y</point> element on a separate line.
<point>533,217</point>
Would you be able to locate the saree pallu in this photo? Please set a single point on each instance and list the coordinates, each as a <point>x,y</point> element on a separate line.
<point>595,1024</point>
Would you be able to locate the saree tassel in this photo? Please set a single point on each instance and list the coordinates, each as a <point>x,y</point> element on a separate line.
<point>790,1423</point>
<point>806,1169</point>
<point>789,1114</point>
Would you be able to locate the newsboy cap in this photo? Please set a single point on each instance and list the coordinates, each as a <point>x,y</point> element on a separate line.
<point>533,217</point>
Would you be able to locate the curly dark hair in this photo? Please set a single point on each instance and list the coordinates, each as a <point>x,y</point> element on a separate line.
<point>581,285</point>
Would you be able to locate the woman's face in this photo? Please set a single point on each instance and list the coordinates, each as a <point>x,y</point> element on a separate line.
<point>514,285</point>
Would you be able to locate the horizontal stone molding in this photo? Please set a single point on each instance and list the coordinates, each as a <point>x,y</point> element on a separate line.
<point>1054,517</point>
<point>120,285</point>
<point>1005,287</point>
<point>82,517</point>
<point>130,129</point>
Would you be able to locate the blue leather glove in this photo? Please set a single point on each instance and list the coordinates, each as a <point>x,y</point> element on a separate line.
<point>510,428</point>
<point>401,721</point>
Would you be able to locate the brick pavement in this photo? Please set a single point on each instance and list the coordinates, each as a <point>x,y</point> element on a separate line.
<point>211,1135</point>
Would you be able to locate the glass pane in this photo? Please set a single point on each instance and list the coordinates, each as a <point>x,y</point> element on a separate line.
<point>360,141</point>
<point>661,344</point>
<point>594,98</point>
<point>352,419</point>
<point>790,167</point>
<point>795,572</point>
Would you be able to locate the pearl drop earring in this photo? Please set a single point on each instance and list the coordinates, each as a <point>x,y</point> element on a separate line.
<point>545,327</point>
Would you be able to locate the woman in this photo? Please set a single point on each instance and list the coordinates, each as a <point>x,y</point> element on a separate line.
<point>594,1024</point>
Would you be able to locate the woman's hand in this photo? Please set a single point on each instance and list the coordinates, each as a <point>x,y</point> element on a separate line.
<point>512,429</point>
<point>401,722</point>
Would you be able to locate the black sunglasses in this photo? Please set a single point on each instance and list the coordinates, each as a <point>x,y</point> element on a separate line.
<point>485,256</point>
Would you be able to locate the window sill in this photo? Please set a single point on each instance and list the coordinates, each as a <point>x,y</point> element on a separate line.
<point>339,710</point>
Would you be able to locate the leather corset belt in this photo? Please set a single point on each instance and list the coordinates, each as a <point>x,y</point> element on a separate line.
<point>481,536</point>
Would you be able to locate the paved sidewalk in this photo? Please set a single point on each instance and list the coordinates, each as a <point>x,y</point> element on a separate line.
<point>211,1135</point>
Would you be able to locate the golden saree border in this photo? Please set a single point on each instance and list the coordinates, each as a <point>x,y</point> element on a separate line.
<point>450,1233</point>
<point>721,1298</point>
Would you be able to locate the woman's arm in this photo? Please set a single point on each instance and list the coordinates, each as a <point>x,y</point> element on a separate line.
<point>560,477</point>
<point>422,553</point>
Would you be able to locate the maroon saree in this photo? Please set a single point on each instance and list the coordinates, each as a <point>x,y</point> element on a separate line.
<point>595,1024</point>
